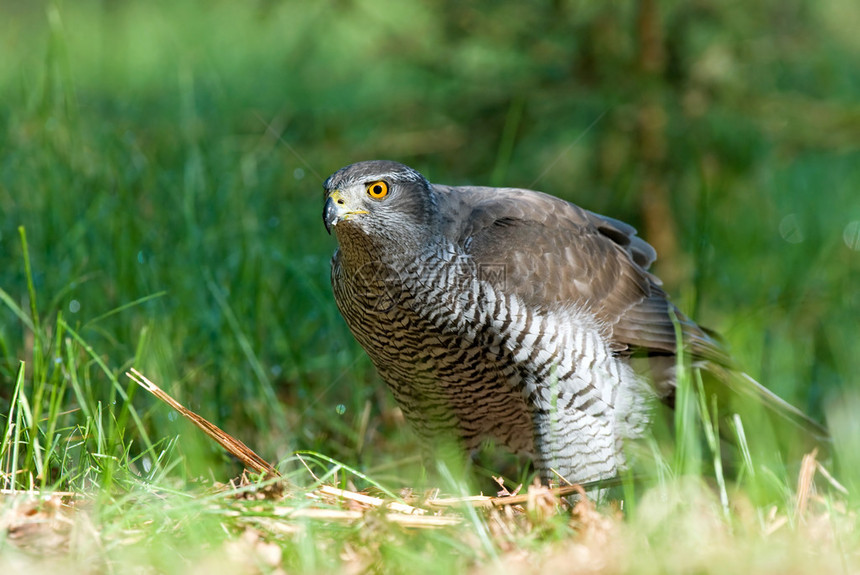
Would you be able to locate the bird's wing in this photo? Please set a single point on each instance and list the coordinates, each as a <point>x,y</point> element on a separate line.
<point>553,253</point>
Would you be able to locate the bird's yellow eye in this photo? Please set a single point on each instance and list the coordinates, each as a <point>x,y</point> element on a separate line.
<point>377,190</point>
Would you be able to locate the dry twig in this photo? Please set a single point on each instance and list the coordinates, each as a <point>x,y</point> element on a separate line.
<point>235,447</point>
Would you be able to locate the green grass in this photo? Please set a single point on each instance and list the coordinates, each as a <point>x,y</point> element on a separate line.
<point>160,177</point>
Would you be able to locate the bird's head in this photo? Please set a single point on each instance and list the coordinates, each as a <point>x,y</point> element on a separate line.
<point>381,200</point>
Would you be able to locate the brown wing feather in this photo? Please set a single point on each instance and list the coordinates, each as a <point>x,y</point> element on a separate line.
<point>555,253</point>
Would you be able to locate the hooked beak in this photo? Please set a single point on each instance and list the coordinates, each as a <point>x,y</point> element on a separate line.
<point>330,215</point>
<point>336,210</point>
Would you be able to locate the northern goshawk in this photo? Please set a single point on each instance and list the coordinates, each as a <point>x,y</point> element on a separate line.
<point>507,314</point>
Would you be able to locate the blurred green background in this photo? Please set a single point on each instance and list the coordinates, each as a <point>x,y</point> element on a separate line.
<point>170,155</point>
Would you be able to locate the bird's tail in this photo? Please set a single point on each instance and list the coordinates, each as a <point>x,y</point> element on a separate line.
<point>745,387</point>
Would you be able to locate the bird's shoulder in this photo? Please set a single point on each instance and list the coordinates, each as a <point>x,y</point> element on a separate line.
<point>471,213</point>
<point>553,254</point>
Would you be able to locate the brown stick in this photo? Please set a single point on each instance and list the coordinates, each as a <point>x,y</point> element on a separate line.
<point>804,482</point>
<point>235,447</point>
<point>487,501</point>
<point>369,500</point>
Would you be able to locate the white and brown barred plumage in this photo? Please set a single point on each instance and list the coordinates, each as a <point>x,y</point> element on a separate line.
<point>508,314</point>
